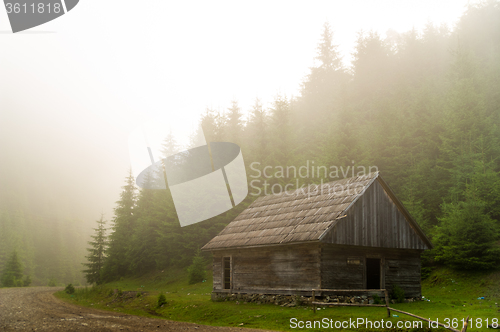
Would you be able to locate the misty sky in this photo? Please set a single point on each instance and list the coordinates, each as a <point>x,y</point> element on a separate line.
<point>71,90</point>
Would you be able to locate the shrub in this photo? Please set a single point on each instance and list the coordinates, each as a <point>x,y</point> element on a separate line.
<point>466,236</point>
<point>27,281</point>
<point>376,299</point>
<point>12,272</point>
<point>425,272</point>
<point>52,282</point>
<point>398,294</point>
<point>197,271</point>
<point>161,300</point>
<point>69,289</point>
<point>18,282</point>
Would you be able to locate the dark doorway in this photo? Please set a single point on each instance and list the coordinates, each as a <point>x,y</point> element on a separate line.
<point>372,273</point>
<point>227,272</point>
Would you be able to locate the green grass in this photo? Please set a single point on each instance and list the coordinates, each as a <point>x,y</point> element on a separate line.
<point>451,295</point>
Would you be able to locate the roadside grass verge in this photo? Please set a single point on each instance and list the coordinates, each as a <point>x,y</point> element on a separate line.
<point>448,294</point>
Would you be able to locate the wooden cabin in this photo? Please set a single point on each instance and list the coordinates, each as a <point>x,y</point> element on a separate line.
<point>344,235</point>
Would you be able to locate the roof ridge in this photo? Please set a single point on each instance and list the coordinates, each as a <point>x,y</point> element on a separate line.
<point>292,192</point>
<point>305,217</point>
<point>349,206</point>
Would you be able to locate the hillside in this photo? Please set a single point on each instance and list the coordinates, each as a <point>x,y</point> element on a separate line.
<point>448,294</point>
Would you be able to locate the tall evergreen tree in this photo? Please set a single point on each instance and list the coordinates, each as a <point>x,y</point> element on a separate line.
<point>143,242</point>
<point>97,254</point>
<point>117,263</point>
<point>12,274</point>
<point>170,145</point>
<point>373,67</point>
<point>281,147</point>
<point>322,96</point>
<point>234,123</point>
<point>328,53</point>
<point>466,237</point>
<point>214,124</point>
<point>256,133</point>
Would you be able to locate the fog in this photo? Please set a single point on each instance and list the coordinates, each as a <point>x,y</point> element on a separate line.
<point>61,167</point>
<point>73,90</point>
<point>56,155</point>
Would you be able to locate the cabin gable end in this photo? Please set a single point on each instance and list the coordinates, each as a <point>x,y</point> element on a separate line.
<point>377,220</point>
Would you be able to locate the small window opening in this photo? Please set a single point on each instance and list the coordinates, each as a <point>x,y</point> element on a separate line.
<point>227,272</point>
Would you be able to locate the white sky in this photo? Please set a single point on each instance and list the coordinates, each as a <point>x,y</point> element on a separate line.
<point>126,60</point>
<point>88,78</point>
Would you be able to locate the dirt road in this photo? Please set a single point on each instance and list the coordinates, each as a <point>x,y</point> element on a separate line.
<point>36,309</point>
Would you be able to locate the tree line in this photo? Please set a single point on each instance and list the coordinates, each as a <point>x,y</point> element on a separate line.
<point>421,106</point>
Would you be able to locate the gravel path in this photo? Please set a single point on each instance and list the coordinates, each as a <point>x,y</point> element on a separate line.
<point>36,309</point>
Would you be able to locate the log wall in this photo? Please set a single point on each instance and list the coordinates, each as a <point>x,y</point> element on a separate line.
<point>278,269</point>
<point>340,268</point>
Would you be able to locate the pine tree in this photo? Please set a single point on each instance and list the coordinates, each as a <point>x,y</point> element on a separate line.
<point>170,145</point>
<point>328,53</point>
<point>256,132</point>
<point>466,237</point>
<point>281,124</point>
<point>12,274</point>
<point>372,66</point>
<point>117,263</point>
<point>197,271</point>
<point>142,252</point>
<point>322,96</point>
<point>214,125</point>
<point>281,147</point>
<point>234,123</point>
<point>97,254</point>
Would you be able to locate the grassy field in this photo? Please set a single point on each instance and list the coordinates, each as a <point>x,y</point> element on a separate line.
<point>448,294</point>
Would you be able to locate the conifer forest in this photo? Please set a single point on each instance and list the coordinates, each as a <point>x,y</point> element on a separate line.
<point>421,107</point>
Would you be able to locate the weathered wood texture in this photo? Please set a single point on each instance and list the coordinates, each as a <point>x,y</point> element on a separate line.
<point>403,269</point>
<point>398,267</point>
<point>336,273</point>
<point>321,238</point>
<point>348,304</point>
<point>293,217</point>
<point>374,220</point>
<point>292,267</point>
<point>217,272</point>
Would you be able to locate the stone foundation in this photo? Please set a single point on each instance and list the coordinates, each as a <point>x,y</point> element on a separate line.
<point>296,300</point>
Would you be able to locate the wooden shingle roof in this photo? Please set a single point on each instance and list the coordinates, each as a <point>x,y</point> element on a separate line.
<point>301,215</point>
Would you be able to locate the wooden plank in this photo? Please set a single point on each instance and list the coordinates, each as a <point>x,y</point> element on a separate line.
<point>374,220</point>
<point>348,304</point>
<point>466,324</point>
<point>349,290</point>
<point>288,267</point>
<point>314,300</point>
<point>337,274</point>
<point>386,295</point>
<point>270,291</point>
<point>427,320</point>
